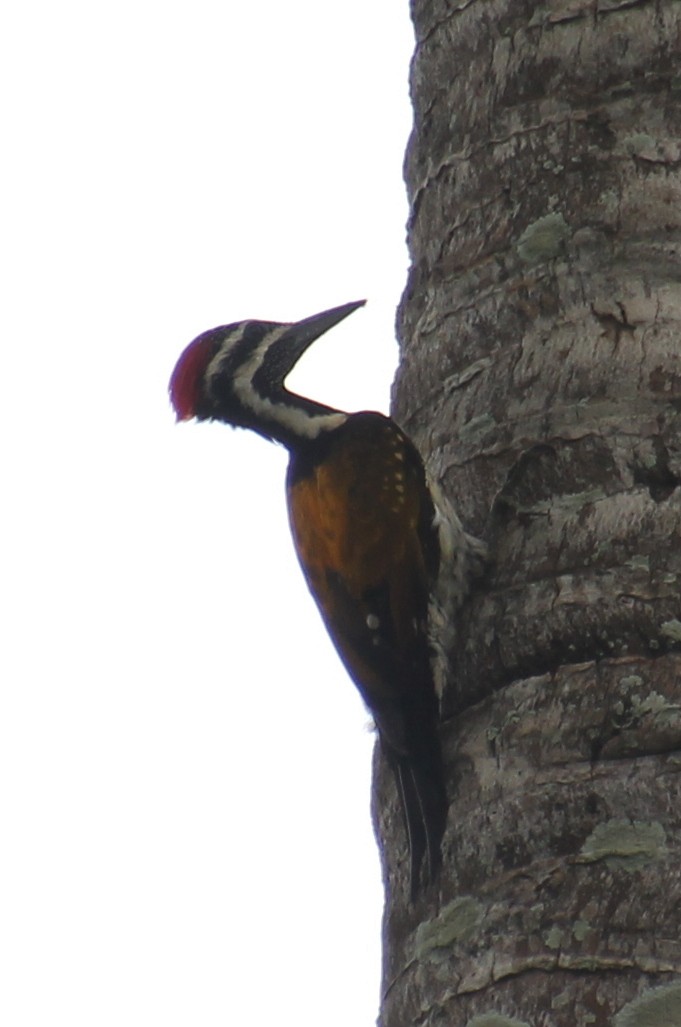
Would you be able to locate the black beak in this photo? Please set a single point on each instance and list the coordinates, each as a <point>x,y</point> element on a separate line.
<point>312,327</point>
<point>288,349</point>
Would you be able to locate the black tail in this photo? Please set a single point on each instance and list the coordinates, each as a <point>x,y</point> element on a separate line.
<point>420,783</point>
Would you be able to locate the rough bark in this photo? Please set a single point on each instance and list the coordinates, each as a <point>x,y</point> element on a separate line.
<point>541,378</point>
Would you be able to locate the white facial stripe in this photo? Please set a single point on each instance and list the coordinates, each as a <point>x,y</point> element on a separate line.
<point>233,339</point>
<point>297,421</point>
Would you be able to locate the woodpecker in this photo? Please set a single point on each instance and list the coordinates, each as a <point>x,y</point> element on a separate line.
<point>384,555</point>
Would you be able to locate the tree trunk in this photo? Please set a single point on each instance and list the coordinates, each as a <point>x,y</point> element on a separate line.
<point>541,378</point>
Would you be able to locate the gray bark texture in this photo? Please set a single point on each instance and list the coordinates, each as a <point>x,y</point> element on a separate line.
<point>541,378</point>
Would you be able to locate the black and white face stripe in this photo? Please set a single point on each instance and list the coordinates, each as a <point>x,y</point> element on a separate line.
<point>243,383</point>
<point>252,366</point>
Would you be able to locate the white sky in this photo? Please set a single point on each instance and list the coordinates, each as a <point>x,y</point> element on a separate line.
<point>184,766</point>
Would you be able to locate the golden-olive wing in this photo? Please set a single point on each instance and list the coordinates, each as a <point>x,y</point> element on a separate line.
<point>361,518</point>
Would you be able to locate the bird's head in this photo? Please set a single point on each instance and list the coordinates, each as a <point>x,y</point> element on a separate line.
<point>235,373</point>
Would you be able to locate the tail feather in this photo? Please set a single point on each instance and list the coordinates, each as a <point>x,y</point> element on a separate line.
<point>421,789</point>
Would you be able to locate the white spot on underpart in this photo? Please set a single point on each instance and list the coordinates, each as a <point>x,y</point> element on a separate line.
<point>373,622</point>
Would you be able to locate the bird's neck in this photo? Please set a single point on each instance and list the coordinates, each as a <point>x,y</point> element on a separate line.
<point>286,417</point>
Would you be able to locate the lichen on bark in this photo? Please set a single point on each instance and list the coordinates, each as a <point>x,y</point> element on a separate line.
<point>541,377</point>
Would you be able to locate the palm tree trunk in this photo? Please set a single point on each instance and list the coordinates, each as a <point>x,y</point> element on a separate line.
<point>541,377</point>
